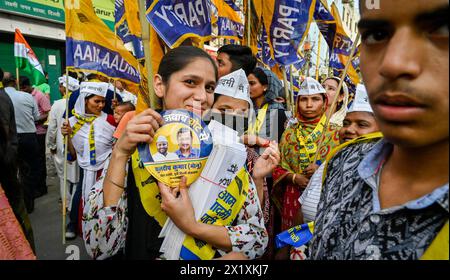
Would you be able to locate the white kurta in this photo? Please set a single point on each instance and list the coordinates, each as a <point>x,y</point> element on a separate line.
<point>55,140</point>
<point>103,136</point>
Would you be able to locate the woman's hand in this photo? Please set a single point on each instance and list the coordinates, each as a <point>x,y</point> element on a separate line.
<point>253,140</point>
<point>301,181</point>
<point>310,170</point>
<point>66,129</point>
<point>267,162</point>
<point>140,129</point>
<point>176,203</point>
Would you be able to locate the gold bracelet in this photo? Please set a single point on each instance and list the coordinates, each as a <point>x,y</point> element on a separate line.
<point>115,184</point>
<point>293,179</point>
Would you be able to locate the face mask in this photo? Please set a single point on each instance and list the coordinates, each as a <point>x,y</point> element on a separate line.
<point>237,122</point>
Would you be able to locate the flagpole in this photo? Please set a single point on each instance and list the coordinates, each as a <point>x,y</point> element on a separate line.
<point>115,49</point>
<point>145,29</point>
<point>66,146</point>
<point>318,56</point>
<point>291,94</point>
<point>336,97</point>
<point>286,89</point>
<point>249,30</point>
<point>17,78</point>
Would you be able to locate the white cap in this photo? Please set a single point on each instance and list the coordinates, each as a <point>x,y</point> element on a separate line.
<point>310,87</point>
<point>74,84</point>
<point>162,138</point>
<point>361,102</point>
<point>88,89</point>
<point>94,88</point>
<point>234,85</point>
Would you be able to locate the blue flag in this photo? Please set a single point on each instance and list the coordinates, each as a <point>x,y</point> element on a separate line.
<point>296,236</point>
<point>288,22</point>
<point>325,21</point>
<point>177,20</point>
<point>264,54</point>
<point>127,26</point>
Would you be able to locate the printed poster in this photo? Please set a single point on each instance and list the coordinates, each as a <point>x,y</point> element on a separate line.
<point>180,147</point>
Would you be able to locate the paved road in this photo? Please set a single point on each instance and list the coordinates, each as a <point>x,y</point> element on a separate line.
<point>46,221</point>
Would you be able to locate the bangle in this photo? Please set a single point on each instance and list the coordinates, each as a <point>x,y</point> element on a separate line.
<point>293,179</point>
<point>115,184</point>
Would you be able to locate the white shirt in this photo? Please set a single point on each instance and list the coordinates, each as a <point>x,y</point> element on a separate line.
<point>160,157</point>
<point>55,140</point>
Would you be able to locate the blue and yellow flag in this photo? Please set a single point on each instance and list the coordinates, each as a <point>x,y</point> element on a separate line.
<point>295,82</point>
<point>128,27</point>
<point>92,47</point>
<point>232,5</point>
<point>264,54</point>
<point>228,21</point>
<point>296,236</point>
<point>178,20</point>
<point>325,21</point>
<point>287,23</point>
<point>340,53</point>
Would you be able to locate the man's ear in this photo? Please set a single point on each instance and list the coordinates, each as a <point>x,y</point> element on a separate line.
<point>158,86</point>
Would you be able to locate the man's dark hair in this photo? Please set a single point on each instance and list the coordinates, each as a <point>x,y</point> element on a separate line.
<point>24,81</point>
<point>240,57</point>
<point>184,130</point>
<point>1,74</point>
<point>9,81</point>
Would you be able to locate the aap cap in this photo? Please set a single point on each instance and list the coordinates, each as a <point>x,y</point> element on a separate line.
<point>234,85</point>
<point>94,88</point>
<point>73,83</point>
<point>310,87</point>
<point>162,138</point>
<point>361,102</point>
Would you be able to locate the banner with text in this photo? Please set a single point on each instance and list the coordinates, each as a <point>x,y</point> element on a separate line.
<point>178,20</point>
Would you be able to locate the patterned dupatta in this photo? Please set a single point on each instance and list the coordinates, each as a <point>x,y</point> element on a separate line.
<point>13,244</point>
<point>298,147</point>
<point>299,144</point>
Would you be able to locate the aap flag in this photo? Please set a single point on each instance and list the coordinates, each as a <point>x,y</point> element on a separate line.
<point>341,52</point>
<point>325,21</point>
<point>127,26</point>
<point>232,5</point>
<point>178,20</point>
<point>288,23</point>
<point>264,54</point>
<point>228,21</point>
<point>296,236</point>
<point>92,47</point>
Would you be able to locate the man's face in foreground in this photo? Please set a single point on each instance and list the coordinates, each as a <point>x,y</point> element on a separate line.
<point>404,62</point>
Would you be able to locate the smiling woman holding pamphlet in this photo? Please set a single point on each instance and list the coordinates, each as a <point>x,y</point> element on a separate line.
<point>134,209</point>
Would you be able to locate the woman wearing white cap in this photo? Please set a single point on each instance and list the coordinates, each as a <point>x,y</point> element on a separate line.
<point>359,121</point>
<point>91,131</point>
<point>234,104</point>
<point>55,140</point>
<point>298,148</point>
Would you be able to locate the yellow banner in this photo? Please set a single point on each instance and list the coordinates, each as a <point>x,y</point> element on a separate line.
<point>93,47</point>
